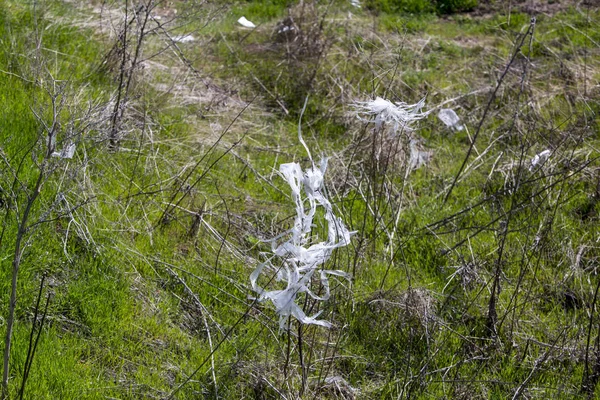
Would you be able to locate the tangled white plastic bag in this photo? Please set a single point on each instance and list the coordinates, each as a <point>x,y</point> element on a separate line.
<point>401,114</point>
<point>301,255</point>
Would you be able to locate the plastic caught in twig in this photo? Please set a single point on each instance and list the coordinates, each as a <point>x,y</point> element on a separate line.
<point>301,255</point>
<point>67,152</point>
<point>418,155</point>
<point>539,159</point>
<point>450,119</point>
<point>183,38</point>
<point>402,115</point>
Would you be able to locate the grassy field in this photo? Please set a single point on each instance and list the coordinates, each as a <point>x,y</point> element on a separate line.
<point>473,272</point>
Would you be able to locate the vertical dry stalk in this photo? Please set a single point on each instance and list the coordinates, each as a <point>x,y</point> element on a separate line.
<point>33,344</point>
<point>488,107</point>
<point>128,64</point>
<point>590,379</point>
<point>492,318</point>
<point>51,132</point>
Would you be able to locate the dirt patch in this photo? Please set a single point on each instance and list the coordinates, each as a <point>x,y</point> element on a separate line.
<point>532,7</point>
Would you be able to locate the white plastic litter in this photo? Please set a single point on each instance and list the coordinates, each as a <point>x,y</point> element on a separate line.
<point>286,28</point>
<point>301,256</point>
<point>244,22</point>
<point>402,115</point>
<point>418,155</point>
<point>539,159</point>
<point>355,3</point>
<point>183,38</point>
<point>449,117</point>
<point>67,152</point>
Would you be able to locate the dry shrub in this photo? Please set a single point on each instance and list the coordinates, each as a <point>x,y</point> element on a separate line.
<point>303,34</point>
<point>392,310</point>
<point>287,68</point>
<point>378,154</point>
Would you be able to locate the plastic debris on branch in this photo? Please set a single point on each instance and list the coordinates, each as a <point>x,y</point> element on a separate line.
<point>67,152</point>
<point>450,119</point>
<point>302,256</point>
<point>401,115</point>
<point>539,159</point>
<point>183,38</point>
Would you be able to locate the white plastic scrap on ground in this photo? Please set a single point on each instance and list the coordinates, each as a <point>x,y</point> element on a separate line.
<point>449,117</point>
<point>302,255</point>
<point>244,22</point>
<point>355,3</point>
<point>539,159</point>
<point>183,38</point>
<point>67,152</point>
<point>402,115</point>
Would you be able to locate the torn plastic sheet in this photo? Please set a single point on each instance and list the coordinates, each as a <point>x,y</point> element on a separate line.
<point>418,155</point>
<point>539,159</point>
<point>244,22</point>
<point>450,119</point>
<point>302,255</point>
<point>183,38</point>
<point>402,115</point>
<point>67,152</point>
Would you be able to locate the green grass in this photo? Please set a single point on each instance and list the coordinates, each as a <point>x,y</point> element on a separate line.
<point>139,297</point>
